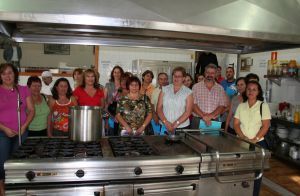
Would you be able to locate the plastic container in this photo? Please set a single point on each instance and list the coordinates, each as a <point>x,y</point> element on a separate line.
<point>292,68</point>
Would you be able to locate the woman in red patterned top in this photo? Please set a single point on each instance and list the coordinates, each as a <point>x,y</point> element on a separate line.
<point>59,108</point>
<point>89,93</point>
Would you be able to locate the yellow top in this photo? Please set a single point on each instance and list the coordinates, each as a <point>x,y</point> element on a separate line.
<point>250,118</point>
<point>148,91</point>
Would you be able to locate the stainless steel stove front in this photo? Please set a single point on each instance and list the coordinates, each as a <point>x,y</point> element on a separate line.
<point>36,171</point>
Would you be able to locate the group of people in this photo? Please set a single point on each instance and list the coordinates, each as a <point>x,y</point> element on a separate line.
<point>44,106</point>
<point>135,107</point>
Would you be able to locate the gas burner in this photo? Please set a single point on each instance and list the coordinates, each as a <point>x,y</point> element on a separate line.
<point>57,148</point>
<point>130,146</point>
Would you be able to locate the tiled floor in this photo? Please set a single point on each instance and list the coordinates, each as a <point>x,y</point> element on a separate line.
<point>283,174</point>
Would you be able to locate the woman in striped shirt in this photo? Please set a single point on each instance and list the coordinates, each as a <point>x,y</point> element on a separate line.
<point>175,103</point>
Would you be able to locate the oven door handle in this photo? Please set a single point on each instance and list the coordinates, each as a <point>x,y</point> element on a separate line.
<point>263,155</point>
<point>142,191</point>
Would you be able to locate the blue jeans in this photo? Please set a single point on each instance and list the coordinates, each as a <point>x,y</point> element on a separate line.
<point>257,183</point>
<point>7,147</point>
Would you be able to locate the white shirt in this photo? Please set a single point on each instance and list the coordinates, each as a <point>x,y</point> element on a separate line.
<point>174,104</point>
<point>46,89</point>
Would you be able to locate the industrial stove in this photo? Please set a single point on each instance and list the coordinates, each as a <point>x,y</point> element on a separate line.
<point>150,165</point>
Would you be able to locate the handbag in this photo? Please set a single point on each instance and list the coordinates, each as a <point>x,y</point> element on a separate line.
<point>112,108</point>
<point>271,138</point>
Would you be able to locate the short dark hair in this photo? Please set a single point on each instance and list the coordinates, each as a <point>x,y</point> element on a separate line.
<point>212,66</point>
<point>131,80</point>
<point>240,78</point>
<point>32,79</point>
<point>260,91</point>
<point>79,70</point>
<point>112,79</point>
<point>147,72</point>
<point>180,69</point>
<point>162,73</point>
<point>4,66</point>
<point>189,75</point>
<point>54,91</point>
<point>252,76</point>
<point>230,68</point>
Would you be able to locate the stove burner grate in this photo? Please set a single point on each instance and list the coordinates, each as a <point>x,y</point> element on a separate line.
<point>130,147</point>
<point>57,148</point>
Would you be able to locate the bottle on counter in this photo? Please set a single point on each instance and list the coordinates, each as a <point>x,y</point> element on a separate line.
<point>297,115</point>
<point>284,69</point>
<point>279,70</point>
<point>270,68</point>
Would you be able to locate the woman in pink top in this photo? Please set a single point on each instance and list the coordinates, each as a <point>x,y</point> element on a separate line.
<point>89,93</point>
<point>9,89</point>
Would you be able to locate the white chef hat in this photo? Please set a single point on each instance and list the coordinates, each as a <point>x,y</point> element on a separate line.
<point>46,74</point>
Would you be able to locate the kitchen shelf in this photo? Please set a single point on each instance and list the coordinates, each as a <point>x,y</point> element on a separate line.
<point>39,74</point>
<point>285,122</point>
<point>277,79</point>
<point>289,141</point>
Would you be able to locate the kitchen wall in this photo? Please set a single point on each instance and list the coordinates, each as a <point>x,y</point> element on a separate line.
<point>110,56</point>
<point>33,56</point>
<point>290,89</point>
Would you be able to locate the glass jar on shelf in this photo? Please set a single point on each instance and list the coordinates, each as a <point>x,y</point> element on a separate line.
<point>292,68</point>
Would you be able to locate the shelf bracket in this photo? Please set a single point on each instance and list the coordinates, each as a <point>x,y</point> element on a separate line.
<point>276,81</point>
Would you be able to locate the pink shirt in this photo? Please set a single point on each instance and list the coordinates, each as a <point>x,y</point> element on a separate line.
<point>8,106</point>
<point>208,100</point>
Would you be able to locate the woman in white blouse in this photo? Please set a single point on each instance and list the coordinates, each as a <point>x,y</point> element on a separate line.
<point>175,103</point>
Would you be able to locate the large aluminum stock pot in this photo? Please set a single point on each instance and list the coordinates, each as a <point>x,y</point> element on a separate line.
<point>85,123</point>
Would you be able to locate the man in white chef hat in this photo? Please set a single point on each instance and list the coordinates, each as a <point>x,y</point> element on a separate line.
<point>47,83</point>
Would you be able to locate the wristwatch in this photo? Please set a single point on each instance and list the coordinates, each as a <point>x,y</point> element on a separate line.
<point>257,138</point>
<point>177,122</point>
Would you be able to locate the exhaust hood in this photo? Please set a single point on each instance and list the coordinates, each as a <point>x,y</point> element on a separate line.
<point>231,26</point>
